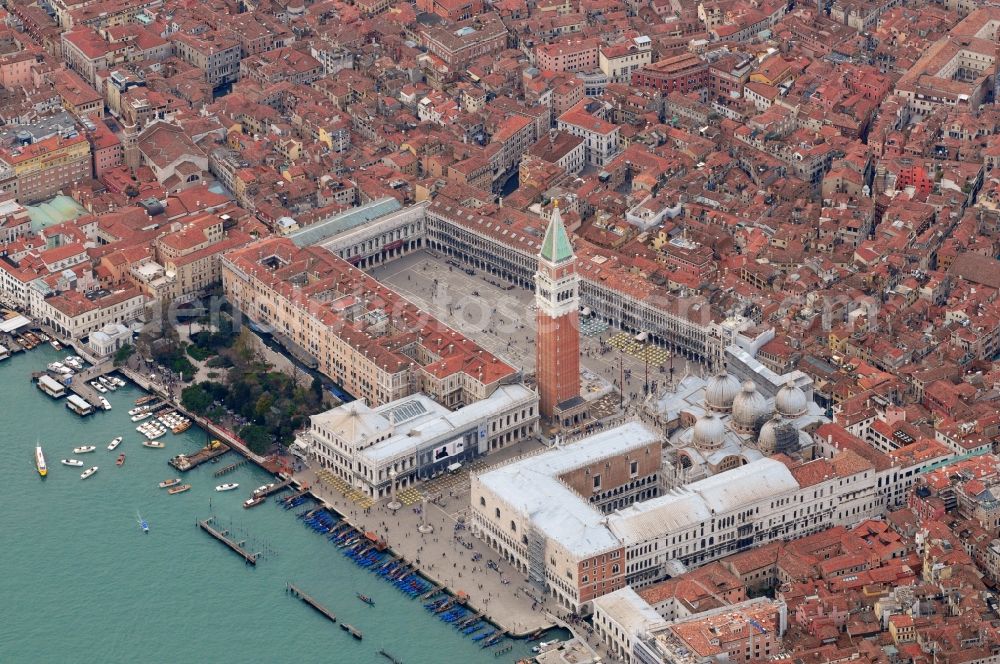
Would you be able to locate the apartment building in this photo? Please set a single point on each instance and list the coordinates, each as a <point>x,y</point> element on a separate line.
<point>42,169</point>
<point>618,61</point>
<point>570,55</point>
<point>458,44</point>
<point>601,138</point>
<point>76,315</point>
<point>216,55</point>
<point>680,73</point>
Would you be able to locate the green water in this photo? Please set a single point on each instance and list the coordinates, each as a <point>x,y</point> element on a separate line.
<point>80,582</point>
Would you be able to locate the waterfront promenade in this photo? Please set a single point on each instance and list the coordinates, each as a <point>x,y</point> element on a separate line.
<point>501,594</point>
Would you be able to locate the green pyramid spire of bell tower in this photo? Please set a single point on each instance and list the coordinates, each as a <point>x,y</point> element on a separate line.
<point>556,247</point>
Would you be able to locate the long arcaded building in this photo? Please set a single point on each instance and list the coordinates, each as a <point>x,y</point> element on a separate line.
<point>366,337</point>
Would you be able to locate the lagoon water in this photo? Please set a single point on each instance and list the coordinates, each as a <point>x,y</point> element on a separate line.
<point>80,582</point>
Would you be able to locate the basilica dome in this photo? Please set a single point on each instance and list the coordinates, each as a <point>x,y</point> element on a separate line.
<point>790,400</point>
<point>720,392</point>
<point>778,435</point>
<point>749,408</point>
<point>709,432</point>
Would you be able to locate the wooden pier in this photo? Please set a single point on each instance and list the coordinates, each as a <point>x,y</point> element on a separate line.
<point>223,536</point>
<point>228,469</point>
<point>280,486</point>
<point>394,660</point>
<point>184,463</point>
<point>297,494</point>
<point>355,632</point>
<point>297,592</point>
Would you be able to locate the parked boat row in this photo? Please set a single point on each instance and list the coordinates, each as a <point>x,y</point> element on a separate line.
<point>367,550</point>
<point>151,430</point>
<point>175,422</point>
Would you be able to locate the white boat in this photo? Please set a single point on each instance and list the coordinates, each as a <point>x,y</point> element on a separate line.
<point>73,362</point>
<point>83,449</point>
<point>115,443</point>
<point>108,383</point>
<point>87,473</point>
<point>65,371</point>
<point>139,417</point>
<point>118,381</point>
<point>71,462</point>
<point>153,443</point>
<point>56,366</point>
<point>97,386</point>
<point>40,464</point>
<point>227,487</point>
<point>105,404</point>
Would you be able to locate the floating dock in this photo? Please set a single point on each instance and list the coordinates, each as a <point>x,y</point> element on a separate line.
<point>184,463</point>
<point>297,592</point>
<point>223,536</point>
<point>297,494</point>
<point>280,486</point>
<point>355,632</point>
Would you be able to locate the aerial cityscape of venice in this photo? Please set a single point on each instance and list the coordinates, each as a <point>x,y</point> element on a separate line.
<point>521,331</point>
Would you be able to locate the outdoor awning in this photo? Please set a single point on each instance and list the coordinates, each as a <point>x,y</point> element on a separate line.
<point>14,324</point>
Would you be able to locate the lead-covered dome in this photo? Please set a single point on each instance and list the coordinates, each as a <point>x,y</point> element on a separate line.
<point>709,432</point>
<point>790,400</point>
<point>778,435</point>
<point>720,392</point>
<point>749,408</point>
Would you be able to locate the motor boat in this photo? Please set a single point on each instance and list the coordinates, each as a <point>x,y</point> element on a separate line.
<point>142,523</point>
<point>153,443</point>
<point>139,417</point>
<point>56,366</point>
<point>250,502</point>
<point>97,386</point>
<point>87,473</point>
<point>169,483</point>
<point>121,460</point>
<point>71,462</point>
<point>105,404</point>
<point>118,381</point>
<point>227,487</point>
<point>114,443</point>
<point>110,385</point>
<point>83,449</point>
<point>179,489</point>
<point>40,464</point>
